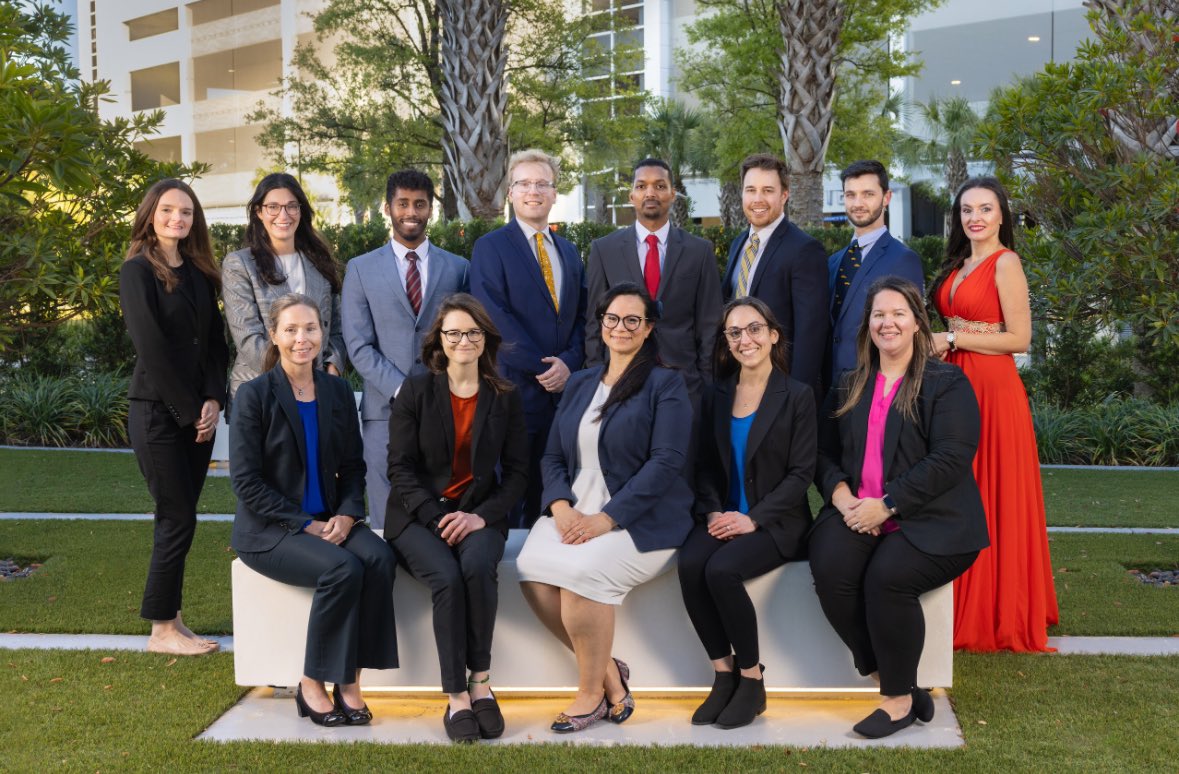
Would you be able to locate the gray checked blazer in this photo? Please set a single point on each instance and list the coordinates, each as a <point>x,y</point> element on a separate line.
<point>247,300</point>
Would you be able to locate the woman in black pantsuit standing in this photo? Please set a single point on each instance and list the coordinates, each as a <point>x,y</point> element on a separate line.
<point>902,513</point>
<point>168,292</point>
<point>297,463</point>
<point>755,464</point>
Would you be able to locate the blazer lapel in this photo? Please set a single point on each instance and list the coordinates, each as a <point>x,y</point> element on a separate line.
<point>768,255</point>
<point>317,288</point>
<point>482,412</point>
<point>721,432</point>
<point>864,275</point>
<point>531,265</point>
<point>628,253</point>
<point>286,401</point>
<point>445,413</point>
<point>771,403</point>
<point>859,421</point>
<point>577,405</point>
<point>671,261</point>
<point>570,262</point>
<point>392,277</point>
<point>438,269</point>
<point>323,412</point>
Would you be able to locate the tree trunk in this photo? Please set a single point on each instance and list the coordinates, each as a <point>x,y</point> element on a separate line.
<point>806,95</point>
<point>731,213</point>
<point>473,100</point>
<point>956,171</point>
<point>681,208</point>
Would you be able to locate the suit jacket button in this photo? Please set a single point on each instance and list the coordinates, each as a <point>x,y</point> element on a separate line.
<point>417,361</point>
<point>838,339</point>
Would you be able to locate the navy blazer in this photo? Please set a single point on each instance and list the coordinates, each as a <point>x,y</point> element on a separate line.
<point>792,278</point>
<point>928,464</point>
<point>642,449</point>
<point>180,350</point>
<point>888,256</point>
<point>267,457</point>
<point>506,278</point>
<point>779,459</point>
<point>421,453</point>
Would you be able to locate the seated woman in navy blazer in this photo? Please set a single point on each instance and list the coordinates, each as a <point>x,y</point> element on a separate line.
<point>902,513</point>
<point>755,463</point>
<point>447,515</point>
<point>297,463</point>
<point>617,501</point>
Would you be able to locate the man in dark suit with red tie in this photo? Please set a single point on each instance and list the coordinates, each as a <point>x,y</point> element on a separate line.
<point>678,269</point>
<point>782,265</point>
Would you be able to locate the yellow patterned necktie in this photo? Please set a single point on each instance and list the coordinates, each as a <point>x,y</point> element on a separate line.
<point>747,258</point>
<point>546,268</point>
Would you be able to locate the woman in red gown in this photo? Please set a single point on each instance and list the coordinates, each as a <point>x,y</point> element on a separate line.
<point>1007,599</point>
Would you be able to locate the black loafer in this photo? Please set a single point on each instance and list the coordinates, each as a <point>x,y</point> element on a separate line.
<point>491,720</point>
<point>724,685</point>
<point>461,726</point>
<point>922,705</point>
<point>879,725</point>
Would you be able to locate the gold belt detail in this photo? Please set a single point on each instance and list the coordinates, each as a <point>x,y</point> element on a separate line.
<point>958,324</point>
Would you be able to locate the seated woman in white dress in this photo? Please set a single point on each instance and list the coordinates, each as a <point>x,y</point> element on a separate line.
<point>616,500</point>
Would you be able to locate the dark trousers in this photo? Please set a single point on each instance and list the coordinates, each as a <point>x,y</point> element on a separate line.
<point>525,513</point>
<point>712,578</point>
<point>869,588</point>
<point>174,466</point>
<point>351,625</point>
<point>464,584</point>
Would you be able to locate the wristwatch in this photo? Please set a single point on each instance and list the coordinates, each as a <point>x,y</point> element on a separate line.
<point>950,341</point>
<point>888,503</point>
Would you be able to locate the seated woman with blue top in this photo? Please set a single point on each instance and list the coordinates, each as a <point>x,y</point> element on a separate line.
<point>756,459</point>
<point>298,472</point>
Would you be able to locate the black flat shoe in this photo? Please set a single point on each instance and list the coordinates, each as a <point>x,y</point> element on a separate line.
<point>922,705</point>
<point>749,701</point>
<point>567,724</point>
<point>332,717</point>
<point>491,720</point>
<point>618,713</point>
<point>724,685</point>
<point>353,717</point>
<point>461,726</point>
<point>879,725</point>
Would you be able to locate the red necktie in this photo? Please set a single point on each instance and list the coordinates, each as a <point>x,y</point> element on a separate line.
<point>651,266</point>
<point>413,282</point>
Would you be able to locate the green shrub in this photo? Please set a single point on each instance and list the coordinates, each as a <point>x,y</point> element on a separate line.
<point>1060,434</point>
<point>37,410</point>
<point>100,411</point>
<point>932,250</point>
<point>1117,432</point>
<point>458,236</point>
<point>227,238</point>
<point>1075,367</point>
<point>355,239</point>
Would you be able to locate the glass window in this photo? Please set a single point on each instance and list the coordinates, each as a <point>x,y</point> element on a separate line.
<point>165,149</point>
<point>153,24</point>
<point>230,150</point>
<point>206,11</point>
<point>155,87</point>
<point>246,69</point>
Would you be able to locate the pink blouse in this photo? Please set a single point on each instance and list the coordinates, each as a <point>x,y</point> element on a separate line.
<point>872,473</point>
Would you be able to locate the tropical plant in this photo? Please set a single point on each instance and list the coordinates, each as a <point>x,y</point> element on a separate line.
<point>668,136</point>
<point>952,126</point>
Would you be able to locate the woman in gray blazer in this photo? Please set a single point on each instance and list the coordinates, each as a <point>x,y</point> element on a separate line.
<point>283,254</point>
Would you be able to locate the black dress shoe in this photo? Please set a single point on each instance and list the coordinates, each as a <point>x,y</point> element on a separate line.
<point>879,725</point>
<point>749,701</point>
<point>491,720</point>
<point>332,717</point>
<point>724,685</point>
<point>922,705</point>
<point>353,717</point>
<point>461,726</point>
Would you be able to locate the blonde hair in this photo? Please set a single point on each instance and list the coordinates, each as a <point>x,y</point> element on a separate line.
<point>534,156</point>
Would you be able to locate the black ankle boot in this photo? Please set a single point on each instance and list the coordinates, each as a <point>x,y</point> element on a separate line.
<point>724,685</point>
<point>747,703</point>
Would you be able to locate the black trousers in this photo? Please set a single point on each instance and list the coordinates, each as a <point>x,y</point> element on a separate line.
<point>869,588</point>
<point>174,466</point>
<point>712,578</point>
<point>351,625</point>
<point>525,513</point>
<point>464,584</point>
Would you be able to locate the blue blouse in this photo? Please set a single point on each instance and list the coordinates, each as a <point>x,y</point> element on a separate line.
<point>312,491</point>
<point>738,438</point>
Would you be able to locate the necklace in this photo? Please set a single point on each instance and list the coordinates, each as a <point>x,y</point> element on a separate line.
<point>300,390</point>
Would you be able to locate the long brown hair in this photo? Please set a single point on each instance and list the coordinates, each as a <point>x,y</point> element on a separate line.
<point>277,307</point>
<point>434,356</point>
<point>958,245</point>
<point>636,373</point>
<point>868,356</point>
<point>308,241</point>
<point>723,362</point>
<point>195,248</point>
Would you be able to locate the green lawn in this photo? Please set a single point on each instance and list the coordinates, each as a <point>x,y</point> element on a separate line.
<point>67,711</point>
<point>1111,498</point>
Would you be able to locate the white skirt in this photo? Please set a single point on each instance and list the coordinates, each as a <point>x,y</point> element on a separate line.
<point>603,570</point>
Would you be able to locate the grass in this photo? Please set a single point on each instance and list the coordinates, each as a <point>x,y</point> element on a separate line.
<point>1111,498</point>
<point>68,711</point>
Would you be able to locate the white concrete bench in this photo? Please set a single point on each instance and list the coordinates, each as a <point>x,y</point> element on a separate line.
<point>652,633</point>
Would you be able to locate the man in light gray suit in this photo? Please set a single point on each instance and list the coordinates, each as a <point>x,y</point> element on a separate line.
<point>390,298</point>
<point>678,269</point>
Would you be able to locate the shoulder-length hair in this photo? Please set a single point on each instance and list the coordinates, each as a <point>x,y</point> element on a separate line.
<point>723,362</point>
<point>195,248</point>
<point>308,241</point>
<point>434,356</point>
<point>868,356</point>
<point>958,245</point>
<point>639,369</point>
<point>277,307</point>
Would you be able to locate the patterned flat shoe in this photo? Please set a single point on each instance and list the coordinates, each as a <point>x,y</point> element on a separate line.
<point>566,724</point>
<point>624,709</point>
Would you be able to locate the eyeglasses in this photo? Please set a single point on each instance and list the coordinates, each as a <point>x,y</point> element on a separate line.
<point>474,336</point>
<point>631,322</point>
<point>540,186</point>
<point>754,329</point>
<point>273,208</point>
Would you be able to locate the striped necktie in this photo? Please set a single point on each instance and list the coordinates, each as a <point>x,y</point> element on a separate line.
<point>413,282</point>
<point>747,259</point>
<point>546,268</point>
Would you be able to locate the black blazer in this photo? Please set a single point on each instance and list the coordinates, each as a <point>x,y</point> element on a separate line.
<point>792,278</point>
<point>779,459</point>
<point>267,454</point>
<point>421,451</point>
<point>927,464</point>
<point>181,354</point>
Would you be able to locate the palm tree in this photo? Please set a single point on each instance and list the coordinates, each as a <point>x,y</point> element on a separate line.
<point>668,135</point>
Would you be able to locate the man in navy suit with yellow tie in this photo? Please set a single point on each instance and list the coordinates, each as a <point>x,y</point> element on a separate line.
<point>532,283</point>
<point>872,254</point>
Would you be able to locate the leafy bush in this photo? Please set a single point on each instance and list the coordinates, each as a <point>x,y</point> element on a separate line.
<point>100,411</point>
<point>932,250</point>
<point>1075,367</point>
<point>355,239</point>
<point>39,410</point>
<point>1118,432</point>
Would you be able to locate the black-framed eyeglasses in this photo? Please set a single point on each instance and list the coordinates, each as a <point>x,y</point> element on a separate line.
<point>273,208</point>
<point>475,335</point>
<point>631,322</point>
<point>754,329</point>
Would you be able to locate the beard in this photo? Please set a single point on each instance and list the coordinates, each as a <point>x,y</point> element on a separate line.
<point>859,221</point>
